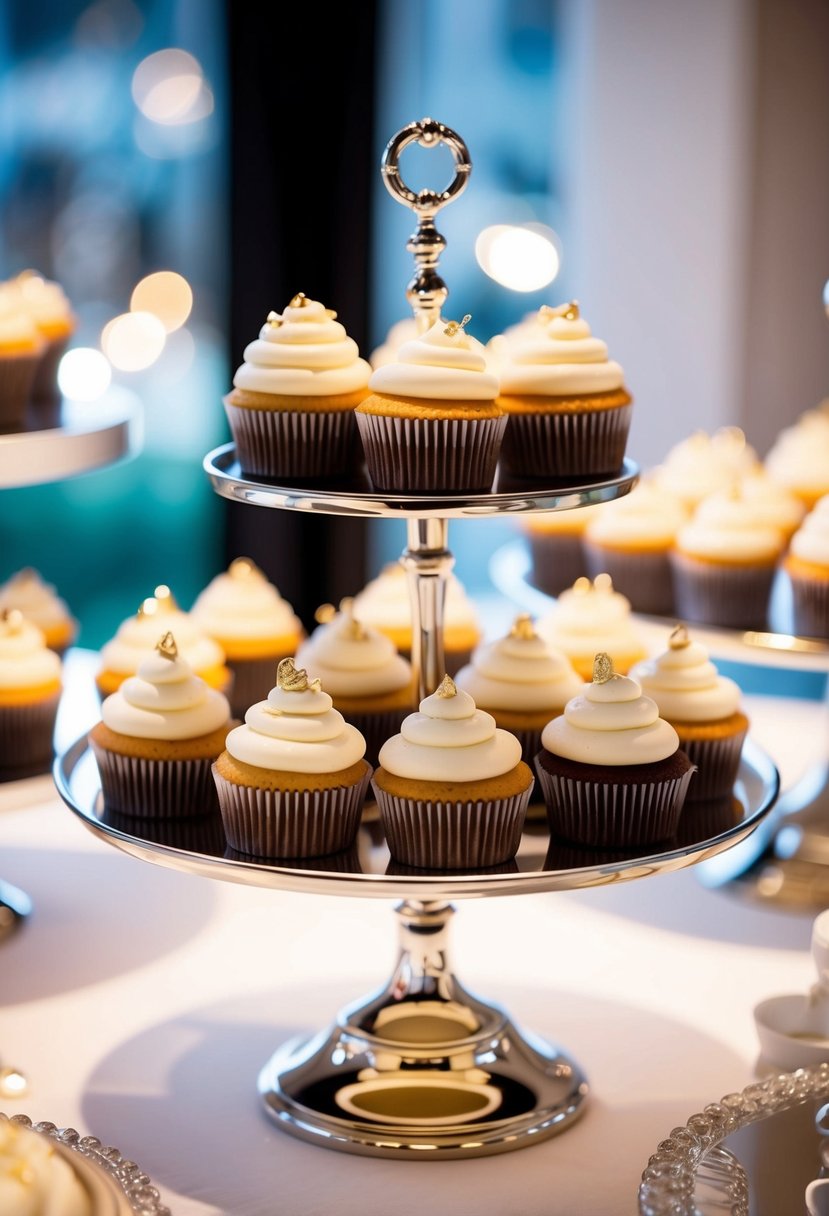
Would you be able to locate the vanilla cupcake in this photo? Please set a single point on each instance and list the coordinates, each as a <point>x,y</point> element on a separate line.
<point>773,505</point>
<point>631,540</point>
<point>136,639</point>
<point>30,688</point>
<point>556,547</point>
<point>254,626</point>
<point>385,604</point>
<point>21,350</point>
<point>704,709</point>
<point>611,770</point>
<point>522,682</point>
<point>39,604</point>
<point>702,464</point>
<point>569,411</point>
<point>807,566</point>
<point>291,409</point>
<point>724,561</point>
<point>158,737</point>
<point>590,617</point>
<point>430,423</point>
<point>799,457</point>
<point>292,780</point>
<point>41,1178</point>
<point>400,333</point>
<point>451,788</point>
<point>369,682</point>
<point>45,303</point>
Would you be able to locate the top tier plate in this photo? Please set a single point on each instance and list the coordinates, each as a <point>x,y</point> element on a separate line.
<point>67,439</point>
<point>359,498</point>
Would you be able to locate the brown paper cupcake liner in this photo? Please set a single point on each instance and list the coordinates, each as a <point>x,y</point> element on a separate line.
<point>810,605</point>
<point>26,733</point>
<point>291,823</point>
<point>377,728</point>
<point>197,834</point>
<point>155,789</point>
<point>709,817</point>
<point>585,444</point>
<point>452,835</point>
<point>717,761</point>
<point>296,445</point>
<point>603,815</point>
<point>645,578</point>
<point>735,597</point>
<point>17,373</point>
<point>45,389</point>
<point>557,561</point>
<point>438,455</point>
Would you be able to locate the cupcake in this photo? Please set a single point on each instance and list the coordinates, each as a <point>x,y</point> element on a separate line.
<point>521,682</point>
<point>704,709</point>
<point>291,410</point>
<point>631,539</point>
<point>799,458</point>
<point>30,688</point>
<point>137,636</point>
<point>807,566</point>
<point>430,423</point>
<point>370,684</point>
<point>385,604</point>
<point>589,617</point>
<point>292,780</point>
<point>252,624</point>
<point>771,503</point>
<point>556,549</point>
<point>400,333</point>
<point>569,412</point>
<point>47,306</point>
<point>611,770</point>
<point>21,349</point>
<point>702,464</point>
<point>39,604</point>
<point>38,1176</point>
<point>724,562</point>
<point>452,789</point>
<point>158,737</point>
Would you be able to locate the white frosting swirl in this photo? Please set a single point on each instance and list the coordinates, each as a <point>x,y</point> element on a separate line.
<point>241,605</point>
<point>24,660</point>
<point>646,518</point>
<point>165,700</point>
<point>439,365</point>
<point>519,672</point>
<point>303,352</point>
<point>448,739</point>
<point>43,300</point>
<point>725,527</point>
<point>702,464</point>
<point>36,599</point>
<point>588,611</point>
<point>772,504</point>
<point>611,724</point>
<point>561,358</point>
<point>352,660</point>
<point>799,458</point>
<point>811,541</point>
<point>296,732</point>
<point>686,685</point>
<point>385,604</point>
<point>35,1180</point>
<point>17,329</point>
<point>137,637</point>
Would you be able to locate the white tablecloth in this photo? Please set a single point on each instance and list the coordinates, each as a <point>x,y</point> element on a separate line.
<point>141,1003</point>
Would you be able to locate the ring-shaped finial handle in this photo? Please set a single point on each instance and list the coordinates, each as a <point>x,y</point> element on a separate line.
<point>428,133</point>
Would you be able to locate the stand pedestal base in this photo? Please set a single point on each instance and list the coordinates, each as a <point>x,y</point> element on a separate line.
<point>15,906</point>
<point>423,1069</point>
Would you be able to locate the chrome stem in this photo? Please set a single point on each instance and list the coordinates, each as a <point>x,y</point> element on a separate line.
<point>428,563</point>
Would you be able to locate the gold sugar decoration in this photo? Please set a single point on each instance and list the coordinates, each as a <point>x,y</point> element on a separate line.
<point>300,300</point>
<point>242,568</point>
<point>546,313</point>
<point>148,607</point>
<point>447,688</point>
<point>164,597</point>
<point>274,319</point>
<point>569,311</point>
<point>325,614</point>
<point>603,668</point>
<point>166,646</point>
<point>679,637</point>
<point>582,586</point>
<point>523,627</point>
<point>603,583</point>
<point>291,678</point>
<point>455,327</point>
<point>12,618</point>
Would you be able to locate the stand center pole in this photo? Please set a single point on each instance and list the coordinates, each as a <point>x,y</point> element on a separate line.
<point>428,563</point>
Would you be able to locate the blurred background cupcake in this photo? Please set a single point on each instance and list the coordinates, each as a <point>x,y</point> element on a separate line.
<point>45,303</point>
<point>30,689</point>
<point>40,604</point>
<point>702,464</point>
<point>590,617</point>
<point>807,567</point>
<point>556,549</point>
<point>21,349</point>
<point>799,456</point>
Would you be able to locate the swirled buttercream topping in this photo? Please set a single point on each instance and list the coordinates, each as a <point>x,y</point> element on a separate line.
<point>772,504</point>
<point>592,616</point>
<point>353,660</point>
<point>36,599</point>
<point>24,660</point>
<point>385,604</point>
<point>35,1180</point>
<point>799,457</point>
<point>811,541</point>
<point>449,739</point>
<point>445,363</point>
<point>685,684</point>
<point>519,672</point>
<point>44,301</point>
<point>610,723</point>
<point>702,464</point>
<point>165,700</point>
<point>136,638</point>
<point>18,332</point>
<point>563,357</point>
<point>241,604</point>
<point>297,729</point>
<point>646,518</point>
<point>725,527</point>
<point>304,352</point>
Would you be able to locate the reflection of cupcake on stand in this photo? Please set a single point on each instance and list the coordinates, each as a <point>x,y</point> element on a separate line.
<point>593,617</point>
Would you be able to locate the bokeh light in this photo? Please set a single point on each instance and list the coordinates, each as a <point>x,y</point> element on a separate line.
<point>169,88</point>
<point>133,341</point>
<point>166,295</point>
<point>826,297</point>
<point>522,258</point>
<point>84,374</point>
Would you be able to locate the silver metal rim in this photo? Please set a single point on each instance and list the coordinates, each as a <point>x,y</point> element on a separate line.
<point>74,438</point>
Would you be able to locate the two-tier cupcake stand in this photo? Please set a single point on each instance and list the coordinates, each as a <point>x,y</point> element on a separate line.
<point>422,1069</point>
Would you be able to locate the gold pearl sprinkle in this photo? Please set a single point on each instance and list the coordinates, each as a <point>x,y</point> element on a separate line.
<point>164,597</point>
<point>582,586</point>
<point>522,627</point>
<point>13,619</point>
<point>603,583</point>
<point>325,614</point>
<point>242,568</point>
